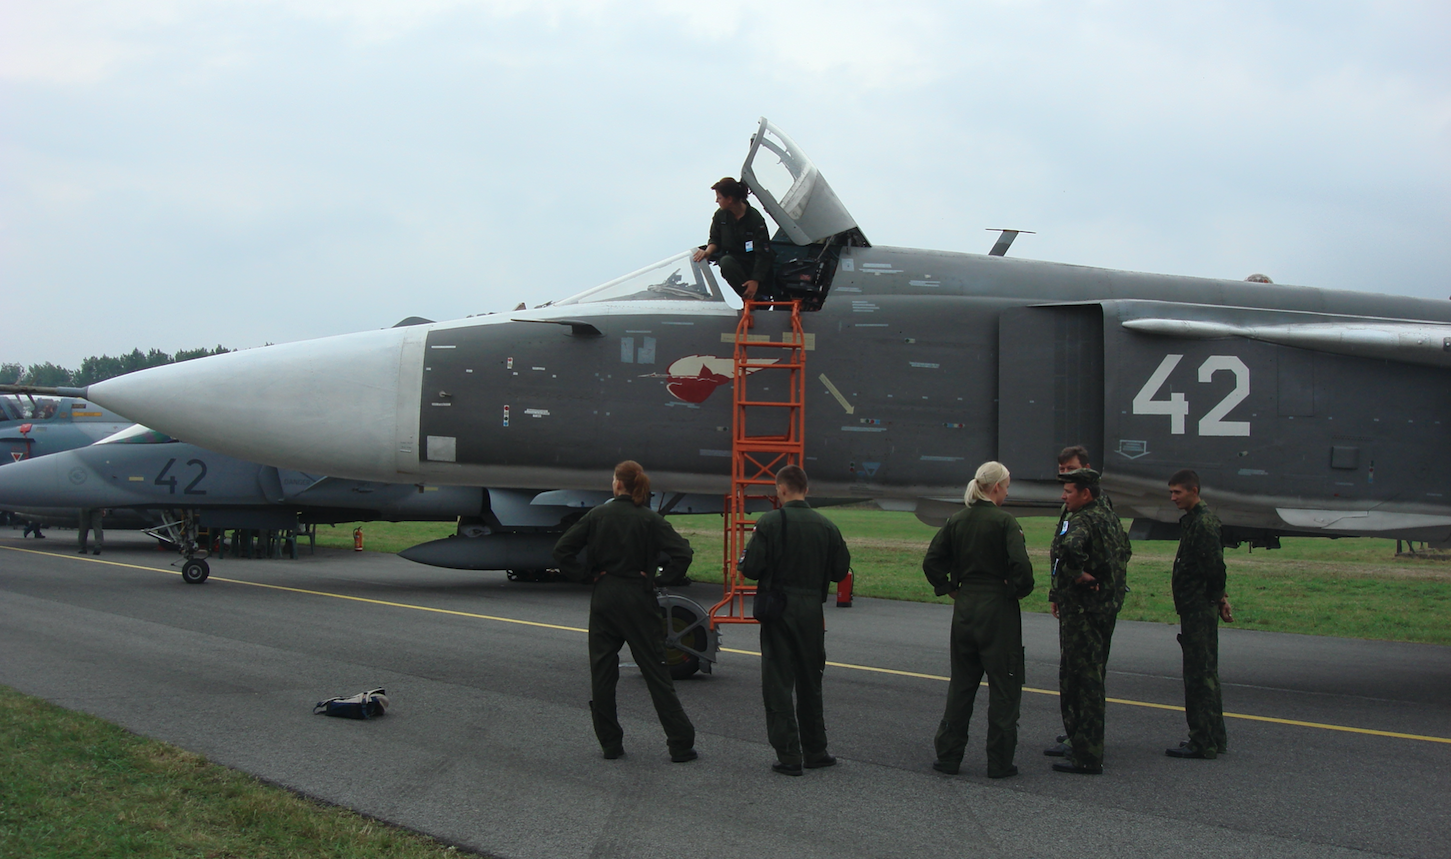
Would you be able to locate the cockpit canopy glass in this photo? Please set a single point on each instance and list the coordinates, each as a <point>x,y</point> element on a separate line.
<point>137,434</point>
<point>677,278</point>
<point>28,408</point>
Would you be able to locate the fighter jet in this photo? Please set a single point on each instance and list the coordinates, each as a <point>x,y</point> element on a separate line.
<point>32,426</point>
<point>1305,411</point>
<point>184,487</point>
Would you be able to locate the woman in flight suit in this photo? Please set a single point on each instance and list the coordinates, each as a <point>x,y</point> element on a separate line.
<point>625,540</point>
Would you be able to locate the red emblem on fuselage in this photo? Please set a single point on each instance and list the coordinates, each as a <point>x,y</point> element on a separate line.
<point>694,378</point>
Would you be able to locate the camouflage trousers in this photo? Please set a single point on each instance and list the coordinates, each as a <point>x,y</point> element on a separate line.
<point>987,638</point>
<point>1083,641</point>
<point>1199,639</point>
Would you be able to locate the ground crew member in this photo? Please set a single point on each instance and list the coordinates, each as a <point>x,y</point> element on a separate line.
<point>1072,458</point>
<point>1199,597</point>
<point>798,551</point>
<point>625,540</point>
<point>1090,556</point>
<point>90,520</point>
<point>740,242</point>
<point>979,559</point>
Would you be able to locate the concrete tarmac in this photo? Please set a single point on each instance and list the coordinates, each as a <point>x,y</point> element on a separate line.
<point>488,743</point>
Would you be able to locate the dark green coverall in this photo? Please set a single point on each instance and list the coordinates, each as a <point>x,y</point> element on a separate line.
<point>744,249</point>
<point>799,555</point>
<point>1198,584</point>
<point>981,555</point>
<point>625,544</point>
<point>1090,540</point>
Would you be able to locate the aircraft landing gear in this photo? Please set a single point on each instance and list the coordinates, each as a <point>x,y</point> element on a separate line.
<point>182,534</point>
<point>690,644</point>
<point>195,571</point>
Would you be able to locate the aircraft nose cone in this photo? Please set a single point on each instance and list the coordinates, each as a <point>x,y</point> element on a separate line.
<point>40,482</point>
<point>329,406</point>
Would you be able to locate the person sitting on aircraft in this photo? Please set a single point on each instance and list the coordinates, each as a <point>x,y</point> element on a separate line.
<point>739,242</point>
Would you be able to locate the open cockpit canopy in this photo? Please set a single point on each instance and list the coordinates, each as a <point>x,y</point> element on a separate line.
<point>793,191</point>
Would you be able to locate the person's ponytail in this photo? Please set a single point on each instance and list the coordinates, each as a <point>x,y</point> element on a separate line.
<point>635,481</point>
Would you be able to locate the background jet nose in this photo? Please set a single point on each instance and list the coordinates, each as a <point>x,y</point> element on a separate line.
<point>40,482</point>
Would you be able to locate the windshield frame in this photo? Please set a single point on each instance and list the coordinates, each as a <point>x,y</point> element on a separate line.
<point>704,276</point>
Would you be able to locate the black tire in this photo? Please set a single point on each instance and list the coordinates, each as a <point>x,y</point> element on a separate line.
<point>195,571</point>
<point>680,663</point>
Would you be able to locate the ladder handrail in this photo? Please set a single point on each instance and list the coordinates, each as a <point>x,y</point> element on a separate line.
<point>755,459</point>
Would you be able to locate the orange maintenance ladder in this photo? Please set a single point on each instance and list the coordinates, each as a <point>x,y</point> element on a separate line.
<point>755,458</point>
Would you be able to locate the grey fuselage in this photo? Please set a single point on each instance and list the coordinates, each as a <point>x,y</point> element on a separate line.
<point>176,476</point>
<point>921,365</point>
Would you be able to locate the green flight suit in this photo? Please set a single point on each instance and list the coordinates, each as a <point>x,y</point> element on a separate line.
<point>1198,584</point>
<point>91,520</point>
<point>980,554</point>
<point>625,544</point>
<point>744,249</point>
<point>1090,540</point>
<point>799,554</point>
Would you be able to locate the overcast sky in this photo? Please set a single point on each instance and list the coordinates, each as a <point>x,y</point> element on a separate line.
<point>183,174</point>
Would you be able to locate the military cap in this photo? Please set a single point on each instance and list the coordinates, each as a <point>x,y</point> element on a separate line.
<point>1080,476</point>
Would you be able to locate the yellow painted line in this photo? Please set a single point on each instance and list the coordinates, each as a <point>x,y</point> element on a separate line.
<point>1323,726</point>
<point>308,592</point>
<point>402,605</point>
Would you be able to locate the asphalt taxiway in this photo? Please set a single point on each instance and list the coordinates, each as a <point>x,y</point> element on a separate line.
<point>1338,747</point>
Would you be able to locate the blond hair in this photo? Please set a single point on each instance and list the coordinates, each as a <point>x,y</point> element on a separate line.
<point>989,474</point>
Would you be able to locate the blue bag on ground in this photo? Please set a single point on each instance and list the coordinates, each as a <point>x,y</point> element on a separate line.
<point>364,705</point>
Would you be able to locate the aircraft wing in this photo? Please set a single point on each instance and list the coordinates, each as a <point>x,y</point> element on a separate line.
<point>1408,341</point>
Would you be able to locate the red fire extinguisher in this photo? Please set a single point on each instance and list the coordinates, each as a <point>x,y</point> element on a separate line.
<point>843,590</point>
<point>358,539</point>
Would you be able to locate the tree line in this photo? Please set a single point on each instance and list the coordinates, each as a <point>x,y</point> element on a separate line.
<point>97,368</point>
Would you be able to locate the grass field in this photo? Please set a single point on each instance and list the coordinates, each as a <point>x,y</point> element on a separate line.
<point>1354,587</point>
<point>75,786</point>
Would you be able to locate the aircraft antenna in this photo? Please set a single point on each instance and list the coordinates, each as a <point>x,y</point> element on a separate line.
<point>1005,240</point>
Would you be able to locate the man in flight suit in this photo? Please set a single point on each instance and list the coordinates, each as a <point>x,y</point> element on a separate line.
<point>740,242</point>
<point>1090,556</point>
<point>90,520</point>
<point>1199,597</point>
<point>796,550</point>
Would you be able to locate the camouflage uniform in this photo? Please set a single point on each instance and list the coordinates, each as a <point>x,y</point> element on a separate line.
<point>1090,540</point>
<point>1198,584</point>
<point>981,555</point>
<point>625,544</point>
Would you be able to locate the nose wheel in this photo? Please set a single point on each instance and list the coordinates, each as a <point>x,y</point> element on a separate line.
<point>195,571</point>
